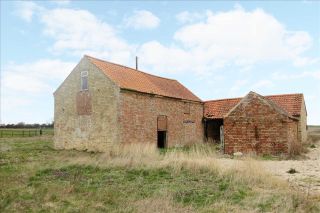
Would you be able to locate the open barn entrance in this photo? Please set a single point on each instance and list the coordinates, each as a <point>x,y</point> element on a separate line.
<point>162,136</point>
<point>214,130</point>
<point>162,131</point>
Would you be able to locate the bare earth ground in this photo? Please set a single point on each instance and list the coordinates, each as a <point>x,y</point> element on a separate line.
<point>307,177</point>
<point>308,171</point>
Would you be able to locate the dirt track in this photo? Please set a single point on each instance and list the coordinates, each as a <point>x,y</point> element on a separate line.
<point>307,177</point>
<point>308,171</point>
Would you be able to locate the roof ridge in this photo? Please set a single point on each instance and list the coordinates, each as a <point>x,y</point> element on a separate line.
<point>145,73</point>
<point>268,101</point>
<point>225,99</point>
<point>273,104</point>
<point>291,94</point>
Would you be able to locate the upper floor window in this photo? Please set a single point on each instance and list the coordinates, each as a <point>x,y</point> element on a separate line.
<point>186,108</point>
<point>84,80</point>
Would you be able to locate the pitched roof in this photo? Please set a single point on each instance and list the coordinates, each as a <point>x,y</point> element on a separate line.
<point>252,95</point>
<point>132,79</point>
<point>217,109</point>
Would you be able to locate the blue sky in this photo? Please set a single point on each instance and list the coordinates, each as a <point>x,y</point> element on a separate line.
<point>216,49</point>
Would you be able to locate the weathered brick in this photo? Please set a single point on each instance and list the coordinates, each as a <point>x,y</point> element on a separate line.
<point>111,115</point>
<point>256,126</point>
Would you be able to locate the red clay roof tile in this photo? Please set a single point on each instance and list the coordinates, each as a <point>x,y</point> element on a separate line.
<point>128,78</point>
<point>217,109</point>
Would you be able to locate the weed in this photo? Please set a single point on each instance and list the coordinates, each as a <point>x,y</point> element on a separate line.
<point>292,171</point>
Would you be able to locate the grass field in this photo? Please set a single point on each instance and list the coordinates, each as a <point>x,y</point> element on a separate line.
<point>9,133</point>
<point>35,177</point>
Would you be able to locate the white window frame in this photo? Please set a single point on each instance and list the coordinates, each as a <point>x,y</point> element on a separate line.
<point>84,74</point>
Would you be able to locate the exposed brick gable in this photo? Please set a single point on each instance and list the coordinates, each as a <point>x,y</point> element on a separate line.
<point>291,103</point>
<point>260,126</point>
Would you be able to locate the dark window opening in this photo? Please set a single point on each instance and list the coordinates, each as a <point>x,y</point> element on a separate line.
<point>256,132</point>
<point>162,139</point>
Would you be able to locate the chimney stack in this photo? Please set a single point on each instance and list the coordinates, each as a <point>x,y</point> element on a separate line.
<point>136,62</point>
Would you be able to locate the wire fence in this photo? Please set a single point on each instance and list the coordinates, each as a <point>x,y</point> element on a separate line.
<point>8,133</point>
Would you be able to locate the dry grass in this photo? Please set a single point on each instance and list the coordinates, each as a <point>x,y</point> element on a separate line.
<point>140,178</point>
<point>195,158</point>
<point>296,149</point>
<point>160,205</point>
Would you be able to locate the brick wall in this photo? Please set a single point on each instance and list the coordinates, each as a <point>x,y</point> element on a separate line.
<point>303,123</point>
<point>103,116</point>
<point>255,126</point>
<point>138,119</point>
<point>89,126</point>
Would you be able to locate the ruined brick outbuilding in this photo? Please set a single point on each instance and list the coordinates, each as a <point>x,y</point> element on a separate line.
<point>258,124</point>
<point>102,104</point>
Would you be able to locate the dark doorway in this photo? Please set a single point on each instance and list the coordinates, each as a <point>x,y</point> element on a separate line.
<point>162,139</point>
<point>213,130</point>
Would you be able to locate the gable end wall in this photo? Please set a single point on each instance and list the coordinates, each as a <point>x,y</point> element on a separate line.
<point>95,130</point>
<point>255,127</point>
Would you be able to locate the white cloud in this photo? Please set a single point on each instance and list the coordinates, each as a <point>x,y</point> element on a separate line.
<point>189,17</point>
<point>82,33</point>
<point>39,77</point>
<point>77,32</point>
<point>62,2</point>
<point>250,36</point>
<point>304,61</point>
<point>237,38</point>
<point>142,19</point>
<point>305,74</point>
<point>261,85</point>
<point>27,89</point>
<point>27,9</point>
<point>237,86</point>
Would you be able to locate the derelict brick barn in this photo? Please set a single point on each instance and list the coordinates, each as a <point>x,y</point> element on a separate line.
<point>101,104</point>
<point>258,124</point>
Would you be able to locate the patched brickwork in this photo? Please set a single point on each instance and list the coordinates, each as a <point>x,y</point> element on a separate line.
<point>106,115</point>
<point>83,101</point>
<point>256,126</point>
<point>94,125</point>
<point>139,113</point>
<point>126,110</point>
<point>293,104</point>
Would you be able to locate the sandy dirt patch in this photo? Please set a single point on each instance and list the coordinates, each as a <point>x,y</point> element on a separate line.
<point>308,171</point>
<point>307,177</point>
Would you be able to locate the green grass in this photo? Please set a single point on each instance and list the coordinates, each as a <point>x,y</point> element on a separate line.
<point>36,178</point>
<point>16,133</point>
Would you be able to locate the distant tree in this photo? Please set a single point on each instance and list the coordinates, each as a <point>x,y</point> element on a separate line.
<point>20,125</point>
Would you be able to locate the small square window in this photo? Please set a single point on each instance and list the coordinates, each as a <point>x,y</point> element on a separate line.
<point>186,108</point>
<point>84,80</point>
